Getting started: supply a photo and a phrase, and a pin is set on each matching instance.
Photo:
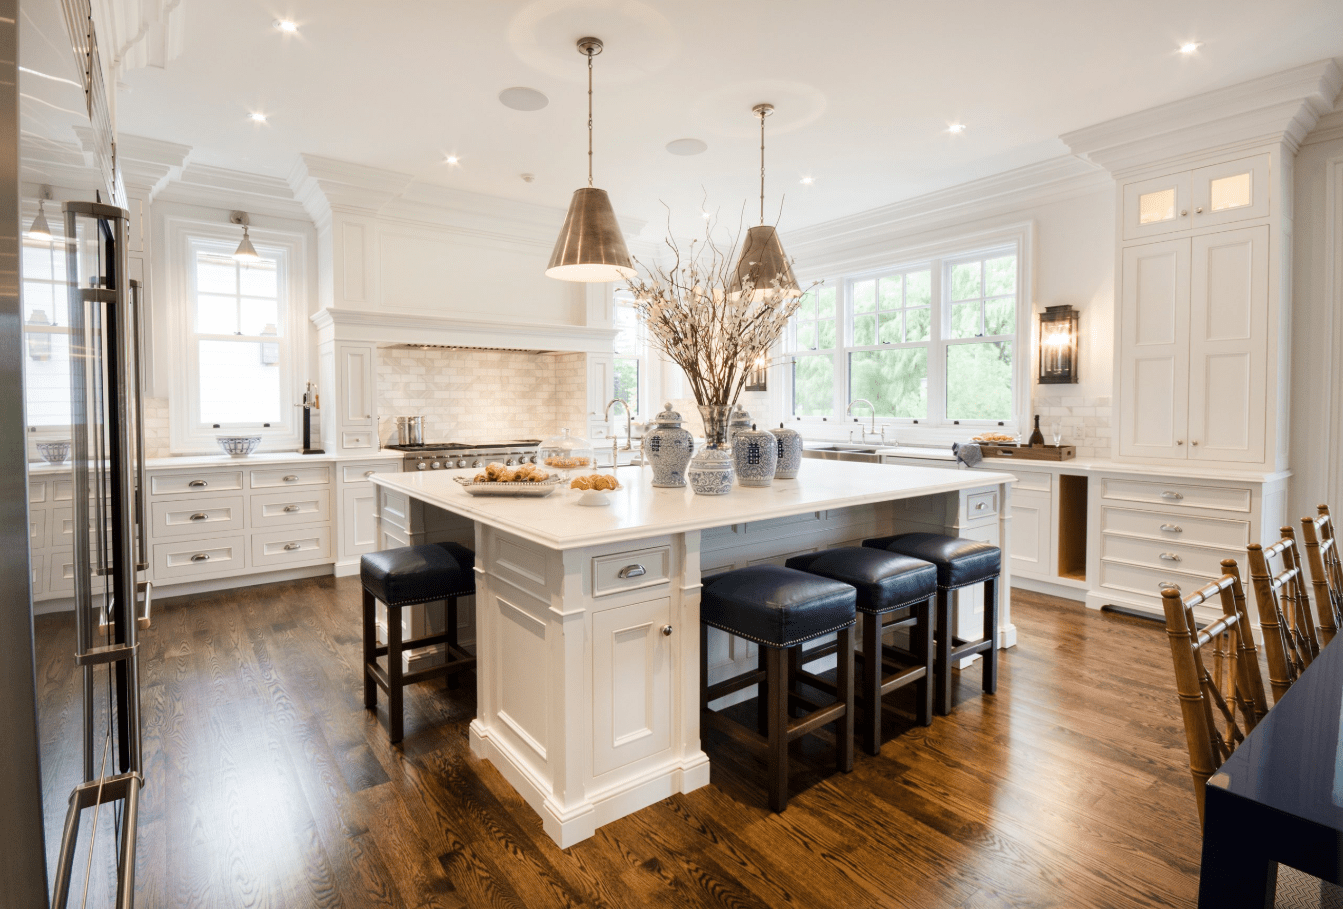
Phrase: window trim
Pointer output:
(56, 247)
(188, 434)
(643, 360)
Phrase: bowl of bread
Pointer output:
(502, 480)
(594, 488)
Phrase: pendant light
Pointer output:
(245, 253)
(590, 247)
(762, 257)
(40, 230)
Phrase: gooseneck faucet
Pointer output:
(629, 428)
(873, 408)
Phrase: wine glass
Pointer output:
(1058, 434)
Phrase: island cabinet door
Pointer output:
(631, 683)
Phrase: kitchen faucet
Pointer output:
(629, 433)
(874, 432)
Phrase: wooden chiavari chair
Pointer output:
(1231, 690)
(1326, 572)
(1290, 641)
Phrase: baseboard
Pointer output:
(164, 591)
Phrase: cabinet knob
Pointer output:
(198, 484)
(666, 630)
(1170, 557)
(1199, 210)
(199, 516)
(1193, 442)
(1179, 441)
(1184, 213)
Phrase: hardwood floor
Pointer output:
(268, 785)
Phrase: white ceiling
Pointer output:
(864, 89)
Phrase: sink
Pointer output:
(842, 453)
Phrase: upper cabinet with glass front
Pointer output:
(1203, 197)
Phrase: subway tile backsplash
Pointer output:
(1086, 423)
(481, 395)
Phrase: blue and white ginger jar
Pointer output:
(669, 448)
(710, 470)
(790, 453)
(754, 454)
(738, 422)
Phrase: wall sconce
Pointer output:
(246, 252)
(756, 380)
(40, 230)
(39, 342)
(1058, 346)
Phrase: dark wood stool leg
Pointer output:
(762, 691)
(776, 669)
(450, 654)
(942, 698)
(844, 681)
(395, 687)
(370, 645)
(871, 684)
(922, 638)
(991, 635)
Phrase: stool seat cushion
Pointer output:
(884, 580)
(959, 562)
(775, 606)
(419, 574)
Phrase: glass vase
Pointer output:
(710, 470)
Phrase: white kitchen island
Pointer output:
(587, 619)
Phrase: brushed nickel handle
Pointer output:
(369, 473)
(1168, 494)
(290, 547)
(201, 557)
(290, 509)
(632, 571)
(1199, 210)
(199, 516)
(1184, 212)
(1194, 442)
(290, 479)
(198, 484)
(1172, 528)
(1169, 557)
(1179, 441)
(666, 630)
(980, 506)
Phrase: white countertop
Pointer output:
(259, 459)
(639, 510)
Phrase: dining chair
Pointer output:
(1326, 573)
(1221, 702)
(1290, 641)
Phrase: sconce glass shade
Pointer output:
(590, 247)
(40, 230)
(246, 252)
(1058, 346)
(763, 260)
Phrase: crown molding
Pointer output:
(322, 185)
(395, 328)
(149, 163)
(51, 162)
(220, 187)
(1327, 129)
(1282, 107)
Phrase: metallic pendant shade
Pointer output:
(590, 247)
(40, 229)
(245, 253)
(763, 260)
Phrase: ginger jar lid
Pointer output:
(668, 418)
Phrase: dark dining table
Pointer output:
(1279, 797)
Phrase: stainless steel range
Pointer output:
(450, 455)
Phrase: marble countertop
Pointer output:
(639, 510)
(259, 459)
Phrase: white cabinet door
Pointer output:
(1228, 338)
(1231, 191)
(1154, 350)
(1156, 206)
(358, 520)
(1031, 538)
(631, 683)
(355, 363)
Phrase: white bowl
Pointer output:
(238, 446)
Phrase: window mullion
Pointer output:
(938, 328)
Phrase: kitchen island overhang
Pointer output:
(587, 619)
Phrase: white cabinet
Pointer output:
(357, 517)
(600, 388)
(1159, 205)
(631, 683)
(1194, 324)
(1204, 197)
(1031, 535)
(348, 375)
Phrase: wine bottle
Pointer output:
(1037, 437)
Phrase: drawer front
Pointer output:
(1033, 480)
(1160, 554)
(38, 490)
(193, 517)
(278, 548)
(1177, 495)
(394, 509)
(63, 528)
(356, 439)
(1147, 581)
(60, 571)
(197, 482)
(188, 558)
(981, 504)
(623, 571)
(37, 529)
(1169, 528)
(359, 473)
(283, 477)
(282, 509)
(37, 565)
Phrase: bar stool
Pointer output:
(779, 609)
(887, 583)
(960, 563)
(404, 577)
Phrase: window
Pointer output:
(933, 342)
(631, 360)
(46, 324)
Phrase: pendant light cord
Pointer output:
(762, 167)
(589, 55)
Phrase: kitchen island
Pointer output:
(587, 618)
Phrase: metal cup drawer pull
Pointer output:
(198, 484)
(632, 571)
(369, 473)
(291, 479)
(201, 557)
(1172, 528)
(290, 509)
(199, 516)
(290, 547)
(1168, 494)
(1170, 557)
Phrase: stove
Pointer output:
(450, 455)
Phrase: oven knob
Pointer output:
(531, 459)
(461, 462)
(435, 465)
(508, 463)
(476, 463)
(419, 465)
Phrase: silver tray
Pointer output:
(524, 488)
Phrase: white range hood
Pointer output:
(396, 329)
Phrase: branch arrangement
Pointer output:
(712, 332)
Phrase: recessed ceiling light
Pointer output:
(520, 98)
(807, 181)
(956, 128)
(527, 178)
(687, 146)
(257, 117)
(286, 25)
(1190, 46)
(452, 159)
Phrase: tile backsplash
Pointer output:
(1086, 423)
(481, 395)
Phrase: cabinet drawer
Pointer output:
(394, 509)
(280, 509)
(1168, 556)
(193, 517)
(63, 528)
(359, 473)
(274, 477)
(60, 571)
(38, 490)
(278, 548)
(39, 579)
(1148, 581)
(188, 558)
(1171, 528)
(1177, 495)
(37, 529)
(623, 571)
(357, 439)
(202, 481)
(1030, 480)
(981, 504)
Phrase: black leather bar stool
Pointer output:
(779, 609)
(404, 577)
(894, 591)
(960, 563)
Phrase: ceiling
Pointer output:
(864, 89)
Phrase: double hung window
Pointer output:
(630, 376)
(46, 327)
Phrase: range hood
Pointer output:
(416, 330)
